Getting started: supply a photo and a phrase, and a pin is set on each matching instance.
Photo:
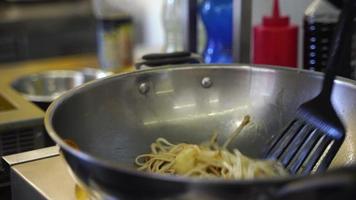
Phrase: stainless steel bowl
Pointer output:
(44, 87)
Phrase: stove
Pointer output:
(42, 174)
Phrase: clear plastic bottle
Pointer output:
(319, 23)
(172, 19)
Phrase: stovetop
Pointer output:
(42, 174)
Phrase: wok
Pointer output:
(117, 118)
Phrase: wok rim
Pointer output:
(105, 163)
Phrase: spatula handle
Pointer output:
(339, 59)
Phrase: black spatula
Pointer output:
(312, 139)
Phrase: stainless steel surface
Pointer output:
(28, 156)
(34, 180)
(49, 85)
(39, 174)
(42, 179)
(91, 74)
(242, 18)
(112, 122)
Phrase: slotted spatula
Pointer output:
(311, 140)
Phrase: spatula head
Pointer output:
(310, 141)
(321, 114)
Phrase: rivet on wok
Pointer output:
(143, 88)
(206, 82)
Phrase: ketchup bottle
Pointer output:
(275, 40)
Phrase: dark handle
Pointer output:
(339, 59)
(338, 184)
(155, 60)
(155, 56)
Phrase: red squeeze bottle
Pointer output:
(275, 40)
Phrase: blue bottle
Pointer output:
(217, 19)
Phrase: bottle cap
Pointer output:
(276, 19)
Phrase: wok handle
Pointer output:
(338, 184)
(175, 58)
(156, 56)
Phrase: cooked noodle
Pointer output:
(206, 160)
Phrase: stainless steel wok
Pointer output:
(117, 118)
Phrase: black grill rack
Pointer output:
(17, 141)
(20, 140)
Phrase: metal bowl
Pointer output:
(44, 87)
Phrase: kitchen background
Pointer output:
(153, 30)
(148, 15)
(40, 35)
(23, 25)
